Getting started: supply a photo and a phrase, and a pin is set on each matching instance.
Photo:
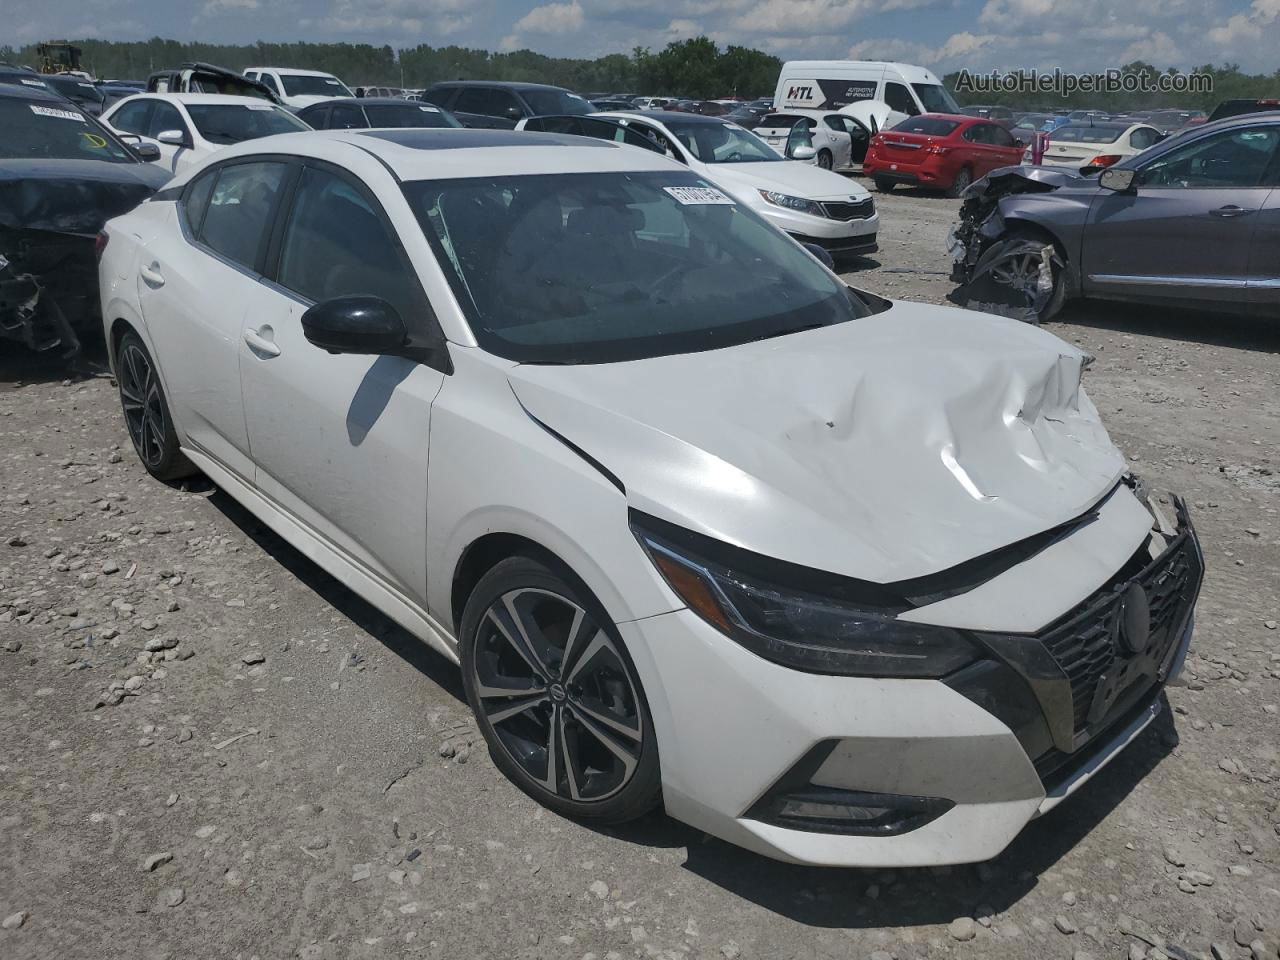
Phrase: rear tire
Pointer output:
(883, 184)
(556, 695)
(961, 183)
(146, 412)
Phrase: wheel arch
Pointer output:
(482, 555)
(1070, 266)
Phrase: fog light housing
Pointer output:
(796, 803)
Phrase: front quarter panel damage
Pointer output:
(1001, 267)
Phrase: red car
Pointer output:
(944, 150)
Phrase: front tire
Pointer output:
(824, 159)
(556, 694)
(146, 411)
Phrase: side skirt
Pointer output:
(328, 557)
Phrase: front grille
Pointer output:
(850, 211)
(1086, 646)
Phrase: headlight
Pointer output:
(801, 618)
(799, 204)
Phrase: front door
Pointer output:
(194, 296)
(340, 441)
(1188, 227)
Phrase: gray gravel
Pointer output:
(177, 683)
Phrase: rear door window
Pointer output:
(165, 117)
(346, 116)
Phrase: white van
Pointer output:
(832, 84)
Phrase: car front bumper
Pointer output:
(821, 230)
(735, 730)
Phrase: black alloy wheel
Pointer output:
(146, 414)
(556, 696)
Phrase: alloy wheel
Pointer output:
(1020, 273)
(143, 405)
(558, 695)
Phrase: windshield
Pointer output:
(928, 126)
(1087, 134)
(599, 267)
(547, 103)
(408, 115)
(936, 98)
(722, 143)
(301, 85)
(233, 123)
(55, 131)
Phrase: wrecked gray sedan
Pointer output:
(62, 176)
(1193, 221)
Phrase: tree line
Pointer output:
(693, 68)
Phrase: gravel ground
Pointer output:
(209, 748)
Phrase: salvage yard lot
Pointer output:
(291, 774)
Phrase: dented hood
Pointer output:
(884, 448)
(72, 196)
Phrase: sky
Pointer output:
(945, 35)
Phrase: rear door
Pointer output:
(1264, 261)
(1188, 228)
(194, 294)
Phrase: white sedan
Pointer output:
(1099, 144)
(842, 580)
(187, 127)
(814, 206)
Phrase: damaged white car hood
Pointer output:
(884, 448)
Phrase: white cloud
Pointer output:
(215, 7)
(1245, 26)
(401, 20)
(1158, 49)
(552, 18)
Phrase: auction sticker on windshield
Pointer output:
(51, 112)
(697, 195)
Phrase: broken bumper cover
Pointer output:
(851, 771)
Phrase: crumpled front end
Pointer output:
(999, 272)
(48, 288)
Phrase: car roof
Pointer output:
(375, 101)
(296, 71)
(505, 84)
(665, 116)
(210, 98)
(434, 153)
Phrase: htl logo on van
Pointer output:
(800, 93)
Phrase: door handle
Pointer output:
(260, 344)
(1230, 210)
(152, 276)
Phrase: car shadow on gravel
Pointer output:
(364, 615)
(1239, 331)
(868, 898)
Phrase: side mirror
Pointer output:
(176, 138)
(1120, 181)
(802, 153)
(1019, 142)
(822, 255)
(360, 324)
(147, 152)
